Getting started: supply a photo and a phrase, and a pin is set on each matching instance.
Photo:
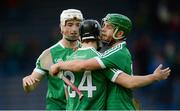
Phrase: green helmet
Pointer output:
(120, 22)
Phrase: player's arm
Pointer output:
(30, 82)
(131, 82)
(75, 66)
(43, 63)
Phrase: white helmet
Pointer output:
(70, 14)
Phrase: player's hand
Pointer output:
(29, 80)
(161, 74)
(54, 69)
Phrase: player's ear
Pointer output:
(120, 34)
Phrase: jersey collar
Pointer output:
(121, 44)
(61, 44)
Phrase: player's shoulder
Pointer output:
(57, 45)
(95, 50)
(119, 48)
(45, 53)
(48, 50)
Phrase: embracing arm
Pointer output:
(131, 82)
(75, 66)
(30, 82)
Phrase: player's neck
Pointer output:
(89, 44)
(69, 44)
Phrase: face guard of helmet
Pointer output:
(70, 14)
(89, 30)
(120, 23)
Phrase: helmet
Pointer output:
(89, 29)
(120, 22)
(70, 14)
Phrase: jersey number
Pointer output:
(87, 78)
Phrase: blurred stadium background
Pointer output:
(27, 27)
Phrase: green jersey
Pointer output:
(93, 84)
(55, 98)
(119, 57)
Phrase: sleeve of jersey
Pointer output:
(109, 60)
(39, 68)
(112, 73)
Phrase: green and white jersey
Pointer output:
(93, 84)
(55, 99)
(119, 57)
